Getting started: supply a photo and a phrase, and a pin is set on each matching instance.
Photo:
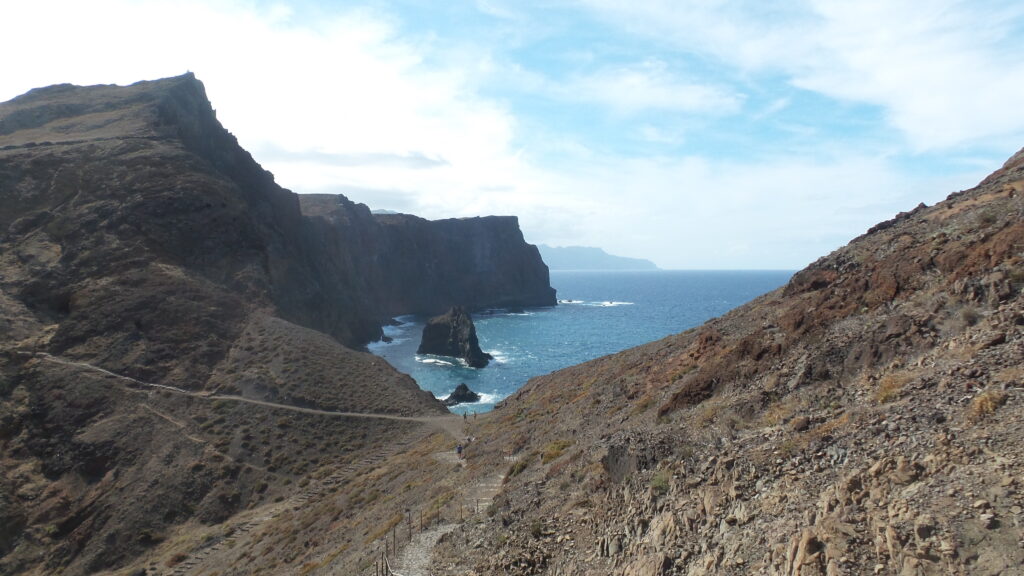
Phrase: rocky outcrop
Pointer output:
(461, 395)
(453, 334)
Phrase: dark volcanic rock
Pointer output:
(418, 266)
(461, 395)
(138, 238)
(453, 334)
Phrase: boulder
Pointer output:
(453, 334)
(461, 395)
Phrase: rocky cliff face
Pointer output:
(148, 263)
(427, 266)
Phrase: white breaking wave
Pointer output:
(499, 356)
(430, 360)
(490, 398)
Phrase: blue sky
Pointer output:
(705, 134)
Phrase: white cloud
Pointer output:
(783, 212)
(347, 103)
(649, 85)
(340, 102)
(945, 72)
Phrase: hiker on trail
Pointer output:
(458, 451)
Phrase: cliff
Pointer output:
(175, 333)
(425, 267)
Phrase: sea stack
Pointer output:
(453, 334)
(461, 395)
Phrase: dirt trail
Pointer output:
(414, 559)
(453, 425)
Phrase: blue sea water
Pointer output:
(598, 313)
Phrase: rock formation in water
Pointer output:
(147, 262)
(461, 395)
(453, 334)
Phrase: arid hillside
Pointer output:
(863, 419)
(867, 418)
(179, 342)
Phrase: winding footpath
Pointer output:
(452, 425)
(415, 557)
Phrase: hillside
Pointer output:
(180, 339)
(864, 419)
(587, 258)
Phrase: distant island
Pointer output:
(589, 258)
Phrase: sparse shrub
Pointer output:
(554, 450)
(176, 559)
(890, 387)
(537, 529)
(969, 316)
(1016, 276)
(985, 403)
(988, 217)
(642, 405)
(660, 482)
(515, 469)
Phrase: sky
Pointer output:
(699, 134)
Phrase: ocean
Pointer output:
(598, 313)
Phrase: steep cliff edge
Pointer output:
(155, 285)
(418, 266)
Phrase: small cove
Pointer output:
(598, 313)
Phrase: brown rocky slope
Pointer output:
(864, 419)
(154, 283)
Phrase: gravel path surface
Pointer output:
(415, 557)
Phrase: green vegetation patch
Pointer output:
(554, 450)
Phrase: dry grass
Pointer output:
(832, 426)
(985, 404)
(385, 528)
(890, 387)
(1011, 375)
(554, 450)
(778, 412)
